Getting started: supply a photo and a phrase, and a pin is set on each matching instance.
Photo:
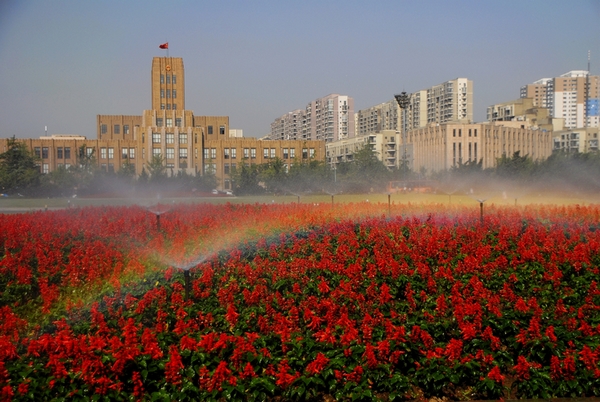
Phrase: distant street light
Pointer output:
(403, 100)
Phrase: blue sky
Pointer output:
(65, 61)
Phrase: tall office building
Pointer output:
(185, 142)
(572, 96)
(168, 83)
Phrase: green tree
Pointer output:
(157, 169)
(19, 168)
(516, 167)
(246, 179)
(274, 176)
(365, 172)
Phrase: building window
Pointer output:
(252, 153)
(168, 79)
(162, 79)
(266, 153)
(246, 153)
(226, 168)
(126, 129)
(183, 153)
(168, 106)
(222, 130)
(159, 122)
(170, 153)
(311, 153)
(103, 128)
(177, 121)
(205, 153)
(45, 169)
(168, 93)
(156, 138)
(162, 93)
(210, 129)
(174, 106)
(292, 153)
(285, 153)
(183, 137)
(117, 129)
(102, 153)
(233, 153)
(131, 153)
(169, 122)
(174, 79)
(44, 152)
(226, 153)
(111, 153)
(156, 152)
(272, 153)
(304, 153)
(59, 153)
(213, 153)
(123, 153)
(170, 138)
(174, 93)
(37, 151)
(89, 151)
(162, 106)
(67, 152)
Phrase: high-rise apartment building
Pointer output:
(377, 118)
(451, 101)
(330, 118)
(572, 96)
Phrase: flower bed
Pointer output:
(299, 302)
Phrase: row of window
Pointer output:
(168, 106)
(168, 92)
(209, 153)
(472, 132)
(169, 138)
(168, 122)
(116, 129)
(170, 153)
(61, 153)
(171, 79)
(250, 153)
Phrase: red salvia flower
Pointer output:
(174, 366)
(496, 375)
(316, 366)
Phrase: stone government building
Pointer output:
(187, 142)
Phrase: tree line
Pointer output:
(20, 175)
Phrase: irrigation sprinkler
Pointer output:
(481, 201)
(186, 273)
(158, 210)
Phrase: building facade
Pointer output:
(185, 142)
(573, 96)
(384, 144)
(440, 147)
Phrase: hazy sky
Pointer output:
(62, 62)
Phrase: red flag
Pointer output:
(164, 45)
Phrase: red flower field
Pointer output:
(299, 301)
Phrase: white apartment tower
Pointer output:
(449, 102)
(572, 96)
(330, 118)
